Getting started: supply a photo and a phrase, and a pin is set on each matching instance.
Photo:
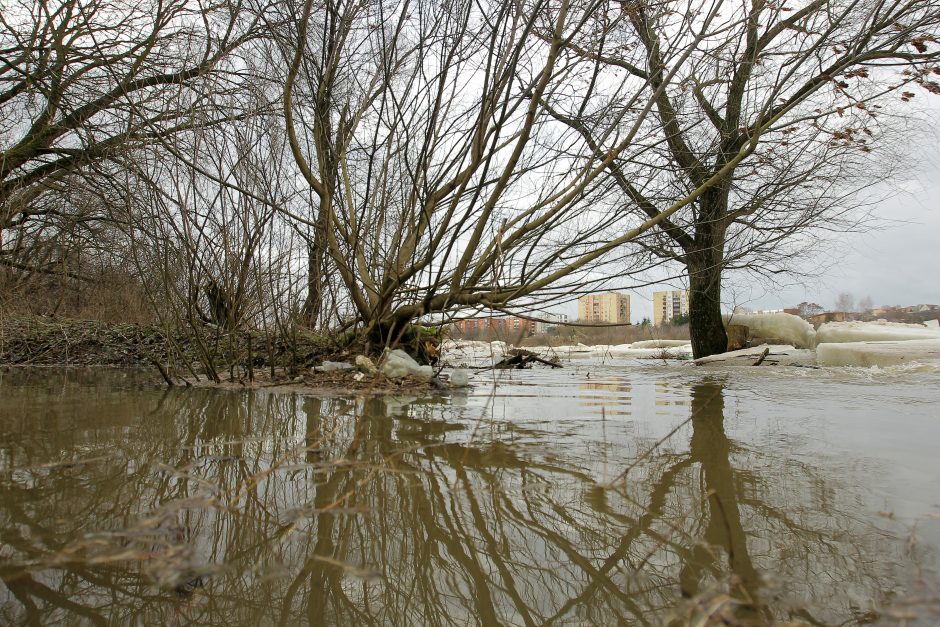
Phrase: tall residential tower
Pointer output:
(611, 307)
(668, 305)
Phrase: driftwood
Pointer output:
(762, 357)
(520, 359)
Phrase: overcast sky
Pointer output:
(898, 264)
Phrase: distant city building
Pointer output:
(669, 305)
(548, 321)
(501, 327)
(826, 316)
(612, 307)
(747, 311)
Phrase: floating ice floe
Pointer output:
(472, 352)
(660, 343)
(630, 351)
(670, 349)
(460, 377)
(880, 331)
(883, 353)
(682, 351)
(565, 350)
(777, 328)
(677, 351)
(777, 354)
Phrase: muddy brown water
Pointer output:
(601, 494)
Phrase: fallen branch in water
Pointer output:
(523, 359)
(163, 372)
(763, 356)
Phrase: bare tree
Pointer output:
(772, 120)
(82, 83)
(441, 179)
(205, 235)
(450, 155)
(810, 309)
(845, 302)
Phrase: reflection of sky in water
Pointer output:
(505, 503)
(883, 425)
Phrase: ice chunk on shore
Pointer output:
(780, 327)
(880, 331)
(568, 350)
(400, 364)
(867, 354)
(330, 366)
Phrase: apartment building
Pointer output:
(669, 304)
(501, 327)
(612, 307)
(548, 321)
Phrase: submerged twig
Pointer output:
(163, 372)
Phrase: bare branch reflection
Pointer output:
(131, 504)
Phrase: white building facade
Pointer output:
(668, 305)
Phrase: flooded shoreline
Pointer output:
(608, 491)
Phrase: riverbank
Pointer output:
(238, 359)
(47, 341)
(51, 341)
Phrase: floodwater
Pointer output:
(600, 494)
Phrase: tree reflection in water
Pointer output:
(208, 507)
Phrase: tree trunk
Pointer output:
(705, 325)
(316, 274)
(314, 299)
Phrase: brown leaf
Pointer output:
(931, 86)
(858, 73)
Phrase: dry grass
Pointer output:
(110, 296)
